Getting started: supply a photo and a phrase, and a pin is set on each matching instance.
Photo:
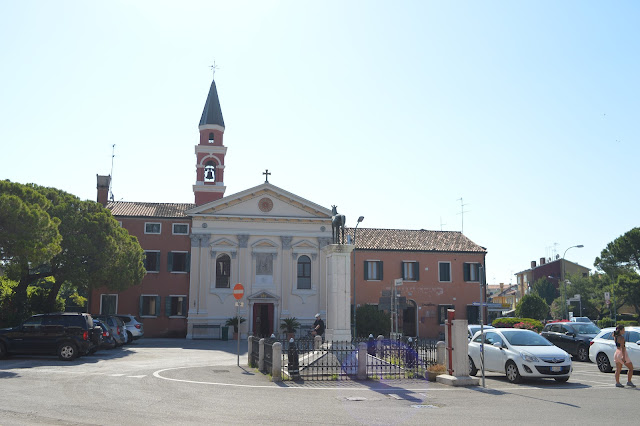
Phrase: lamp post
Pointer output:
(360, 219)
(564, 282)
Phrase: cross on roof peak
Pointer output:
(266, 176)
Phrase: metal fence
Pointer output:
(385, 359)
(254, 350)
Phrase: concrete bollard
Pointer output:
(249, 346)
(441, 353)
(276, 362)
(362, 361)
(261, 354)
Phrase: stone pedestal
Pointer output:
(460, 357)
(338, 292)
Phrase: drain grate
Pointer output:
(219, 371)
(425, 406)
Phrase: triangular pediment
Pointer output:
(305, 244)
(263, 295)
(264, 244)
(263, 201)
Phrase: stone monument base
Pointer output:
(446, 379)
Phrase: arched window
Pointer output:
(210, 172)
(223, 271)
(304, 272)
(211, 139)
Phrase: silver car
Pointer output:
(116, 326)
(135, 329)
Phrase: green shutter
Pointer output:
(380, 265)
(402, 271)
(158, 306)
(140, 312)
(366, 271)
(158, 257)
(466, 269)
(185, 306)
(169, 261)
(416, 271)
(187, 267)
(167, 306)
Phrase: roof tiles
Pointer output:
(414, 240)
(127, 208)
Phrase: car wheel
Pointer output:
(472, 368)
(129, 337)
(561, 379)
(513, 375)
(67, 351)
(582, 354)
(3, 350)
(603, 363)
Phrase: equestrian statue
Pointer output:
(337, 224)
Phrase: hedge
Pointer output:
(609, 322)
(526, 323)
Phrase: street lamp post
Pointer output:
(360, 219)
(564, 282)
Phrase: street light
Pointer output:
(360, 219)
(564, 282)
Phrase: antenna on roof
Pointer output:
(462, 212)
(441, 223)
(113, 154)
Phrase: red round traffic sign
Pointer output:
(238, 291)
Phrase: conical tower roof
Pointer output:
(212, 114)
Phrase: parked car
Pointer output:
(573, 337)
(472, 329)
(116, 327)
(67, 334)
(520, 354)
(108, 342)
(135, 329)
(603, 347)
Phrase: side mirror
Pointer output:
(498, 344)
(638, 343)
(571, 333)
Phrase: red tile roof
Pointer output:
(414, 240)
(133, 209)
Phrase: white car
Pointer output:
(472, 329)
(603, 347)
(519, 354)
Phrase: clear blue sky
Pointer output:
(391, 110)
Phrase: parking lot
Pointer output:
(156, 381)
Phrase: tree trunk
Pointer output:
(53, 295)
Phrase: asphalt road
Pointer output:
(166, 381)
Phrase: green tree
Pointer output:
(623, 253)
(370, 320)
(532, 306)
(545, 289)
(96, 250)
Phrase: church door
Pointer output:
(262, 319)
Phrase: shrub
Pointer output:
(606, 322)
(437, 368)
(628, 323)
(526, 323)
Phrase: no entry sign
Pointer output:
(238, 291)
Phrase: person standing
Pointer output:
(318, 326)
(621, 358)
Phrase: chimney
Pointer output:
(103, 189)
(542, 261)
(501, 287)
(533, 264)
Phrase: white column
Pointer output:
(338, 292)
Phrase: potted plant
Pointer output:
(234, 321)
(289, 326)
(435, 370)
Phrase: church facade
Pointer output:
(271, 241)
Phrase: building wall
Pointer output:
(427, 292)
(162, 283)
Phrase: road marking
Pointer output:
(138, 377)
(115, 375)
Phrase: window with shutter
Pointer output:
(444, 271)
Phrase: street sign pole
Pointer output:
(238, 293)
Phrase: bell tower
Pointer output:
(210, 152)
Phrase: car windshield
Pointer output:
(525, 338)
(585, 328)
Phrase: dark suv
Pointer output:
(573, 337)
(68, 335)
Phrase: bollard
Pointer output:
(293, 357)
(276, 369)
(362, 361)
(441, 351)
(380, 346)
(261, 354)
(249, 351)
(371, 346)
(317, 343)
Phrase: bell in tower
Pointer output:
(210, 172)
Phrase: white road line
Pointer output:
(115, 375)
(138, 377)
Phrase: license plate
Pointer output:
(556, 369)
